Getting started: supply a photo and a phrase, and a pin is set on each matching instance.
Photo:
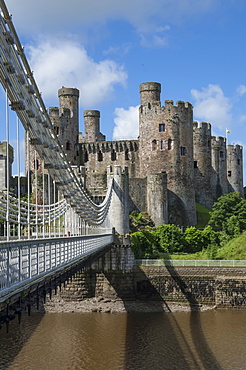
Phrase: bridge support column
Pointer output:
(119, 212)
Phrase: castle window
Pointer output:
(162, 144)
(86, 157)
(154, 143)
(221, 154)
(57, 130)
(113, 155)
(36, 164)
(229, 173)
(162, 127)
(195, 164)
(238, 161)
(127, 155)
(149, 105)
(68, 146)
(169, 144)
(182, 150)
(209, 143)
(99, 156)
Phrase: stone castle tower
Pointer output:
(65, 120)
(166, 145)
(174, 163)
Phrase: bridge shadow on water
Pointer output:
(17, 336)
(155, 339)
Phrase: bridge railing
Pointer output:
(23, 262)
(196, 263)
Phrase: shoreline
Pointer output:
(104, 305)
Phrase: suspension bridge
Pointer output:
(45, 242)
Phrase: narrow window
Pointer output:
(127, 155)
(209, 143)
(162, 144)
(154, 144)
(68, 146)
(195, 164)
(221, 154)
(57, 130)
(86, 157)
(169, 144)
(149, 105)
(36, 164)
(182, 150)
(162, 127)
(113, 155)
(99, 156)
(229, 173)
(238, 161)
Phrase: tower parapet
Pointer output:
(92, 126)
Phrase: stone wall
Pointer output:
(115, 276)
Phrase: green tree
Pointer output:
(145, 244)
(171, 238)
(229, 214)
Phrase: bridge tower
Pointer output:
(118, 211)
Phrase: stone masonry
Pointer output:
(173, 164)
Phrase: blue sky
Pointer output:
(195, 49)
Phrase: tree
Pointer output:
(229, 214)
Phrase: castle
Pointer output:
(173, 164)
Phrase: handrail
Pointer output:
(195, 263)
(23, 262)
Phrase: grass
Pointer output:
(235, 249)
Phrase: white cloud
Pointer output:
(211, 105)
(126, 123)
(59, 16)
(241, 90)
(59, 63)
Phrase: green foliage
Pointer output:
(140, 221)
(171, 238)
(145, 244)
(229, 214)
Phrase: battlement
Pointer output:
(68, 91)
(92, 113)
(202, 126)
(108, 146)
(221, 141)
(54, 111)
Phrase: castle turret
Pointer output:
(203, 163)
(92, 126)
(219, 164)
(235, 168)
(166, 145)
(150, 93)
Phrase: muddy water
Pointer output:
(132, 341)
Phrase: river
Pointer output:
(213, 339)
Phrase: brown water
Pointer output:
(152, 341)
